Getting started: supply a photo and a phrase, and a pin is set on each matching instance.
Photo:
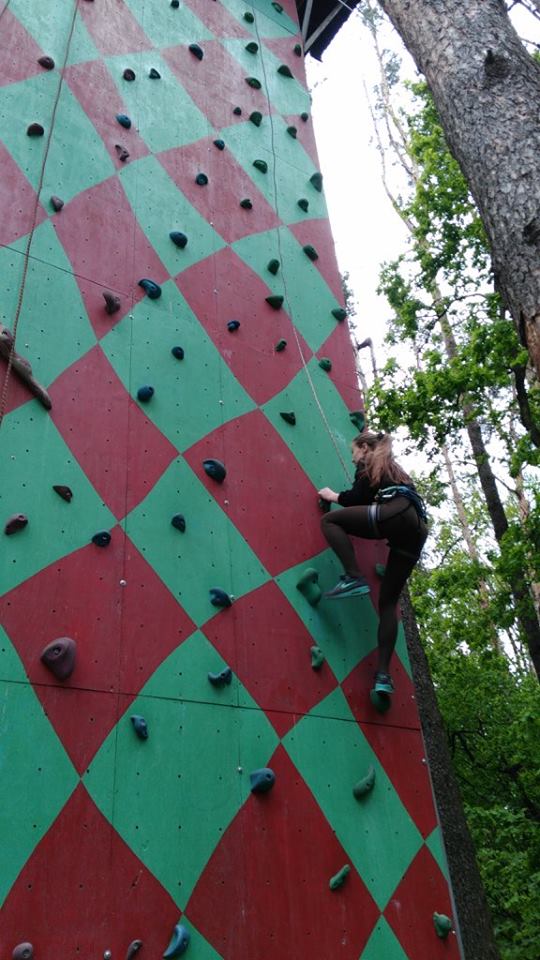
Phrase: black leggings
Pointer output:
(397, 522)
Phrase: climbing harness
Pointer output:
(402, 490)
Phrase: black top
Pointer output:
(361, 492)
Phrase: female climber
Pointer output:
(382, 505)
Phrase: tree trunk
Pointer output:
(486, 89)
(472, 909)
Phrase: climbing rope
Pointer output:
(28, 246)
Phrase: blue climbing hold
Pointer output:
(178, 238)
(262, 780)
(219, 598)
(144, 394)
(123, 120)
(220, 144)
(179, 521)
(215, 469)
(140, 726)
(201, 179)
(196, 50)
(102, 539)
(180, 938)
(178, 352)
(152, 290)
(233, 325)
(224, 677)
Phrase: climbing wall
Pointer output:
(176, 143)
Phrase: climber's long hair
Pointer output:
(378, 461)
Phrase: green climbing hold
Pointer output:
(252, 47)
(248, 17)
(175, 4)
(253, 82)
(339, 878)
(316, 181)
(219, 598)
(35, 130)
(280, 346)
(317, 658)
(380, 569)
(261, 165)
(154, 74)
(256, 118)
(292, 131)
(325, 364)
(246, 204)
(220, 144)
(178, 238)
(298, 49)
(201, 179)
(303, 204)
(443, 925)
(196, 50)
(339, 313)
(289, 418)
(365, 785)
(310, 252)
(308, 585)
(237, 111)
(358, 418)
(277, 6)
(285, 71)
(304, 116)
(273, 266)
(275, 301)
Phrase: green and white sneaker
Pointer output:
(347, 587)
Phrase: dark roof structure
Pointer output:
(320, 20)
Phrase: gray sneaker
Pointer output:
(348, 587)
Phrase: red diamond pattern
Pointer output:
(19, 201)
(21, 52)
(113, 27)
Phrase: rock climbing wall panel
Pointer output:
(189, 758)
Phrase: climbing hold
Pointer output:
(277, 7)
(339, 878)
(253, 82)
(179, 942)
(303, 204)
(140, 726)
(123, 120)
(56, 203)
(251, 47)
(310, 252)
(261, 165)
(339, 313)
(46, 62)
(215, 469)
(201, 179)
(325, 364)
(175, 4)
(443, 925)
(35, 130)
(178, 238)
(196, 50)
(262, 780)
(152, 290)
(128, 74)
(248, 17)
(292, 131)
(179, 521)
(256, 118)
(102, 538)
(275, 301)
(246, 204)
(123, 154)
(304, 116)
(221, 678)
(220, 144)
(145, 393)
(65, 492)
(280, 345)
(316, 181)
(233, 325)
(273, 266)
(154, 74)
(380, 569)
(178, 352)
(365, 785)
(112, 302)
(133, 949)
(285, 71)
(59, 657)
(308, 585)
(237, 111)
(218, 597)
(357, 417)
(298, 49)
(24, 951)
(317, 657)
(15, 523)
(289, 418)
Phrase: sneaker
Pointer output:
(383, 683)
(347, 587)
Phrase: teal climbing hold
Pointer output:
(380, 569)
(262, 780)
(123, 120)
(292, 131)
(310, 252)
(289, 418)
(277, 6)
(220, 144)
(178, 238)
(35, 130)
(365, 785)
(339, 878)
(261, 165)
(316, 181)
(304, 116)
(140, 726)
(215, 469)
(317, 657)
(308, 585)
(154, 74)
(179, 522)
(129, 74)
(285, 71)
(275, 301)
(219, 598)
(280, 345)
(179, 940)
(246, 203)
(339, 313)
(253, 82)
(145, 393)
(201, 179)
(325, 364)
(152, 290)
(273, 266)
(233, 325)
(443, 925)
(237, 111)
(178, 352)
(221, 679)
(298, 49)
(303, 204)
(196, 50)
(175, 4)
(248, 17)
(256, 118)
(102, 538)
(252, 47)
(358, 418)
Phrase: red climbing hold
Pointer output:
(112, 302)
(15, 523)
